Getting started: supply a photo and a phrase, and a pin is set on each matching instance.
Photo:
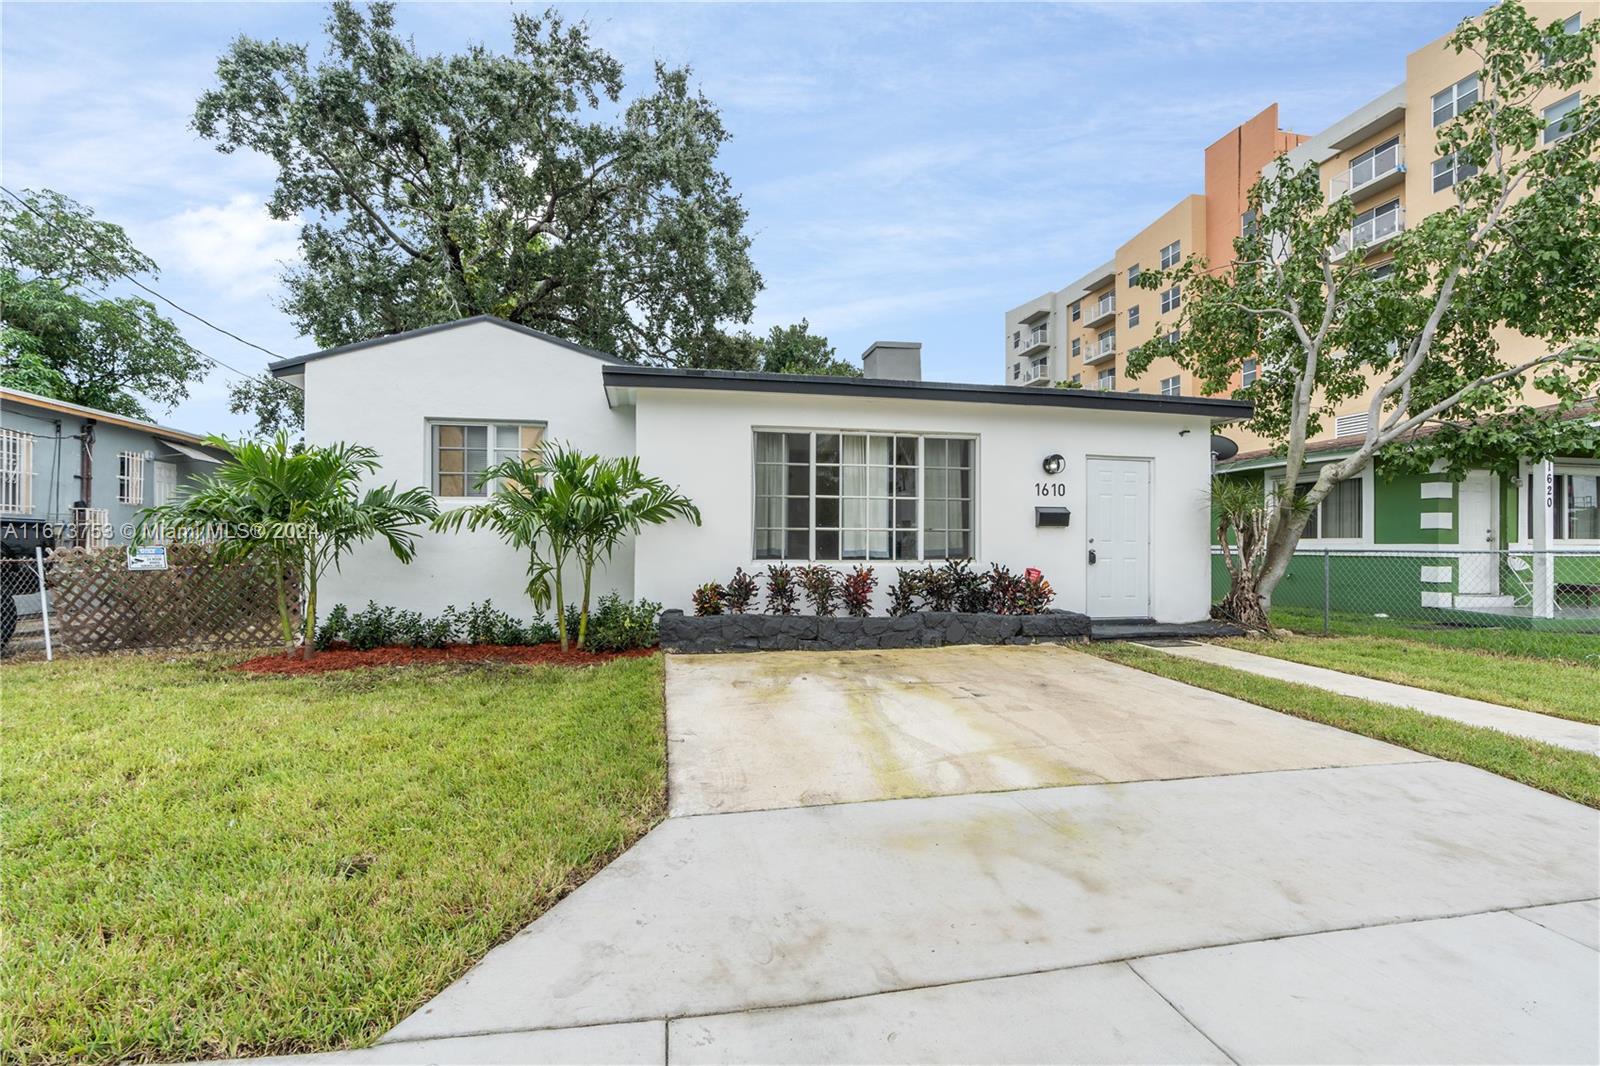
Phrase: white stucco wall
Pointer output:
(384, 397)
(702, 442)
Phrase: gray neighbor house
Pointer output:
(75, 476)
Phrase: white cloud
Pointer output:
(235, 246)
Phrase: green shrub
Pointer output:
(781, 591)
(821, 585)
(741, 591)
(904, 592)
(618, 625)
(708, 599)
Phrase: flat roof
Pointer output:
(626, 376)
(283, 366)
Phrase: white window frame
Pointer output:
(130, 478)
(493, 453)
(921, 499)
(1077, 346)
(1171, 298)
(1077, 310)
(1172, 386)
(1171, 254)
(1133, 316)
(16, 472)
(1370, 156)
(1174, 336)
(1107, 381)
(1133, 274)
(1447, 103)
(1249, 371)
(1565, 470)
(1551, 133)
(1309, 475)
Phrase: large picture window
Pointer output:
(835, 496)
(1577, 506)
(461, 451)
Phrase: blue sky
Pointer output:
(910, 170)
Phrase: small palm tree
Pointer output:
(565, 507)
(303, 510)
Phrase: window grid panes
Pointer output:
(1170, 299)
(1108, 380)
(1171, 254)
(1448, 171)
(462, 451)
(130, 477)
(1577, 507)
(1454, 100)
(1555, 124)
(1338, 517)
(1133, 316)
(848, 497)
(1169, 386)
(1247, 372)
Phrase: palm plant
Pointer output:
(302, 510)
(563, 508)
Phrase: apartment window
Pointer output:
(1107, 381)
(1247, 372)
(16, 472)
(462, 451)
(1040, 334)
(1107, 343)
(1041, 367)
(1174, 337)
(1555, 125)
(1133, 316)
(1016, 339)
(1170, 386)
(1170, 299)
(1171, 254)
(130, 477)
(1133, 274)
(1577, 507)
(1247, 223)
(836, 496)
(1382, 271)
(1077, 310)
(1016, 371)
(1076, 345)
(1454, 100)
(1569, 27)
(1338, 516)
(1077, 379)
(1449, 171)
(1374, 224)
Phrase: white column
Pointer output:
(1542, 508)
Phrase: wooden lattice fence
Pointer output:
(98, 605)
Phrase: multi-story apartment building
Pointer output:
(1383, 157)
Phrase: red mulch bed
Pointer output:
(346, 658)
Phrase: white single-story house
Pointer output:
(1108, 493)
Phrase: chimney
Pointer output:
(895, 360)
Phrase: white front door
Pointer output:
(166, 481)
(1119, 538)
(1479, 574)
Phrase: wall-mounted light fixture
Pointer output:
(1054, 464)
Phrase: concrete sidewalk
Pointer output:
(1579, 736)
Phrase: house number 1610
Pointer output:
(1050, 488)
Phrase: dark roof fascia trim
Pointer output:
(643, 377)
(283, 366)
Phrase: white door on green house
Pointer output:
(166, 481)
(1119, 538)
(1479, 574)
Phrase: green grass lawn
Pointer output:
(1550, 686)
(199, 863)
(1525, 643)
(1567, 773)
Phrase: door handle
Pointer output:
(1091, 556)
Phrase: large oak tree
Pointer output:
(520, 185)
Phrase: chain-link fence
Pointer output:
(1539, 603)
(98, 601)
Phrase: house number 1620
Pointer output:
(1050, 488)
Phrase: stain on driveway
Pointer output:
(793, 729)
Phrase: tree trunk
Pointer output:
(561, 611)
(285, 623)
(583, 612)
(1280, 553)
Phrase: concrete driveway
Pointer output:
(1101, 866)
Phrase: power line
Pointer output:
(118, 270)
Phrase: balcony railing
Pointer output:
(1371, 232)
(1376, 171)
(1034, 340)
(1102, 310)
(1035, 372)
(1104, 348)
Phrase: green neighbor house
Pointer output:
(1489, 549)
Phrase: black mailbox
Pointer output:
(1052, 516)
